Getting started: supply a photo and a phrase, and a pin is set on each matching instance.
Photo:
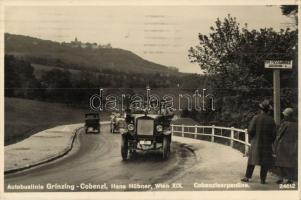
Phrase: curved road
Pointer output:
(95, 164)
(95, 159)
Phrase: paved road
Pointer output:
(96, 159)
(95, 164)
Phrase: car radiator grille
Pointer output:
(145, 127)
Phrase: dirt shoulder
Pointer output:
(39, 148)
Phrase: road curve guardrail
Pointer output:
(233, 135)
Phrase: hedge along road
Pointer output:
(95, 164)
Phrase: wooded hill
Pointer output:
(46, 52)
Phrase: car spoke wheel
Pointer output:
(166, 148)
(124, 147)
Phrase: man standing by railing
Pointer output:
(262, 133)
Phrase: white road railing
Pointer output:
(229, 133)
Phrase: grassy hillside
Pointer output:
(26, 117)
(53, 53)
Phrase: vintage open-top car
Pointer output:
(92, 123)
(146, 131)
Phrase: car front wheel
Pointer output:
(166, 148)
(124, 147)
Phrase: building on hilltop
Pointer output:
(76, 44)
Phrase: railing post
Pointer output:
(232, 137)
(212, 133)
(172, 129)
(182, 131)
(195, 131)
(246, 142)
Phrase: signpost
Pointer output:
(276, 65)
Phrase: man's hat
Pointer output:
(288, 112)
(265, 105)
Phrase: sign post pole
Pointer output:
(276, 65)
(276, 94)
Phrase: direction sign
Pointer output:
(278, 64)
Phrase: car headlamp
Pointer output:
(131, 127)
(159, 128)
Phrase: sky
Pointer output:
(161, 34)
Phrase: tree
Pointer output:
(11, 75)
(19, 78)
(57, 85)
(213, 52)
(290, 11)
(233, 60)
(235, 56)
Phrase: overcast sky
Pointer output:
(159, 34)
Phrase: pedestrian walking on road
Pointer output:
(286, 146)
(262, 133)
